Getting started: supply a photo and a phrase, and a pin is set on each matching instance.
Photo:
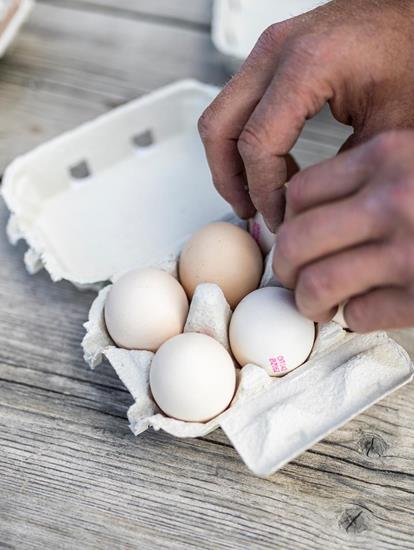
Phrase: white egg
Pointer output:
(261, 233)
(144, 308)
(192, 377)
(267, 330)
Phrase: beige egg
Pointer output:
(192, 377)
(144, 308)
(224, 254)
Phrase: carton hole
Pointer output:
(80, 170)
(143, 139)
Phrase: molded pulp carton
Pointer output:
(126, 191)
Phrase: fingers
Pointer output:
(328, 181)
(333, 280)
(223, 121)
(322, 231)
(229, 177)
(380, 309)
(292, 167)
(272, 131)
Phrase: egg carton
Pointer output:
(237, 24)
(13, 13)
(126, 191)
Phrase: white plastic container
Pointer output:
(14, 23)
(237, 24)
(125, 191)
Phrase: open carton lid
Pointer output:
(125, 191)
(120, 192)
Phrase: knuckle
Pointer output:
(268, 40)
(401, 256)
(285, 245)
(315, 285)
(250, 143)
(400, 195)
(306, 50)
(295, 193)
(210, 125)
(205, 124)
(385, 144)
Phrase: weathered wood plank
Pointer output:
(85, 479)
(71, 473)
(194, 12)
(69, 66)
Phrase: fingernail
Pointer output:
(244, 211)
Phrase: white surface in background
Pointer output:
(139, 202)
(237, 24)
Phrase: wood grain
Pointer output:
(197, 13)
(68, 66)
(71, 473)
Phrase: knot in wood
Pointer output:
(353, 520)
(372, 445)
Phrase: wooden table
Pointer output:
(72, 476)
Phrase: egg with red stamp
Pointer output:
(267, 330)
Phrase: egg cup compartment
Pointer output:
(126, 191)
(209, 314)
(270, 420)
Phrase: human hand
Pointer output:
(349, 236)
(354, 54)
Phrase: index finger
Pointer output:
(297, 92)
(223, 121)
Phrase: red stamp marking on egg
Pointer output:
(278, 364)
(256, 231)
